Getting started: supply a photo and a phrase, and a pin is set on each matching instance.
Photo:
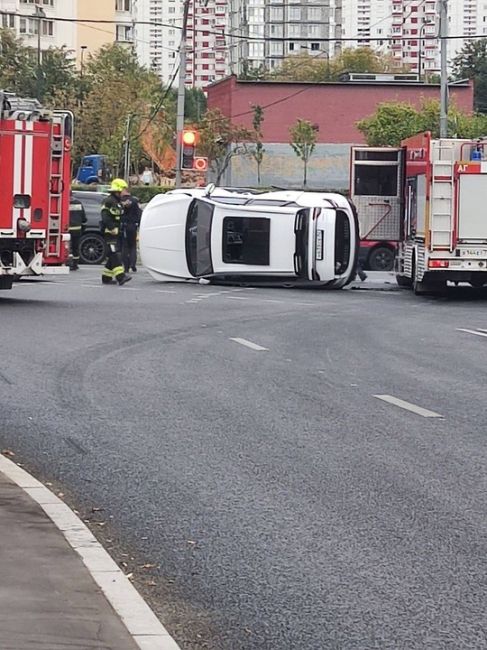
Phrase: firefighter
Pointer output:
(130, 225)
(111, 218)
(77, 220)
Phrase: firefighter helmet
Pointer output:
(118, 184)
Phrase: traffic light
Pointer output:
(188, 149)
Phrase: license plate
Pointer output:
(319, 245)
(473, 252)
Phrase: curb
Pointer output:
(140, 621)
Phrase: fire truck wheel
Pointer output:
(381, 259)
(92, 248)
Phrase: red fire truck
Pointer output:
(35, 174)
(439, 222)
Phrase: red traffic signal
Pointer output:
(200, 164)
(188, 149)
(189, 138)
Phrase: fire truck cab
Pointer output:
(440, 202)
(35, 156)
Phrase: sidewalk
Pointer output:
(48, 599)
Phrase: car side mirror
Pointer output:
(209, 189)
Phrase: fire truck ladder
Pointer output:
(56, 188)
(442, 196)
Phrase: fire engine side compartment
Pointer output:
(472, 211)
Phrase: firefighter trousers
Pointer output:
(75, 242)
(113, 267)
(129, 251)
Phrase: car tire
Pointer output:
(381, 259)
(92, 248)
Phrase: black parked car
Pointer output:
(92, 246)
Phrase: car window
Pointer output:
(246, 240)
(198, 238)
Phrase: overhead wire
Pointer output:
(331, 39)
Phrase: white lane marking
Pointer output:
(419, 410)
(477, 333)
(142, 624)
(237, 298)
(165, 291)
(249, 344)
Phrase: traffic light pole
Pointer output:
(181, 93)
(444, 68)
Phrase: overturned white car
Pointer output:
(284, 236)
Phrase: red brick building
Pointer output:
(334, 107)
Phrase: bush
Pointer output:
(147, 192)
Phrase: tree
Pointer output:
(303, 141)
(471, 63)
(251, 73)
(220, 141)
(393, 122)
(17, 65)
(318, 67)
(303, 67)
(257, 152)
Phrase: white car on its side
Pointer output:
(283, 236)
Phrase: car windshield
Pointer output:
(198, 237)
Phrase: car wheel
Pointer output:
(381, 259)
(92, 249)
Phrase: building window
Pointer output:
(123, 5)
(294, 13)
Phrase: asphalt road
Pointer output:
(285, 506)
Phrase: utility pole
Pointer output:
(126, 154)
(444, 68)
(39, 15)
(181, 92)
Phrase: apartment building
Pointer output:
(207, 56)
(412, 26)
(262, 33)
(158, 35)
(81, 38)
(26, 17)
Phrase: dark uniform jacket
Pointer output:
(77, 215)
(111, 213)
(131, 215)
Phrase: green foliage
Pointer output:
(316, 68)
(303, 141)
(195, 104)
(147, 192)
(393, 122)
(471, 63)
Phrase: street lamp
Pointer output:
(39, 15)
(420, 52)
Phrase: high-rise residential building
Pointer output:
(79, 37)
(25, 17)
(207, 54)
(158, 38)
(158, 35)
(262, 33)
(410, 28)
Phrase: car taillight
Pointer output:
(438, 264)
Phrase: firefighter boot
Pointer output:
(74, 265)
(123, 278)
(106, 280)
